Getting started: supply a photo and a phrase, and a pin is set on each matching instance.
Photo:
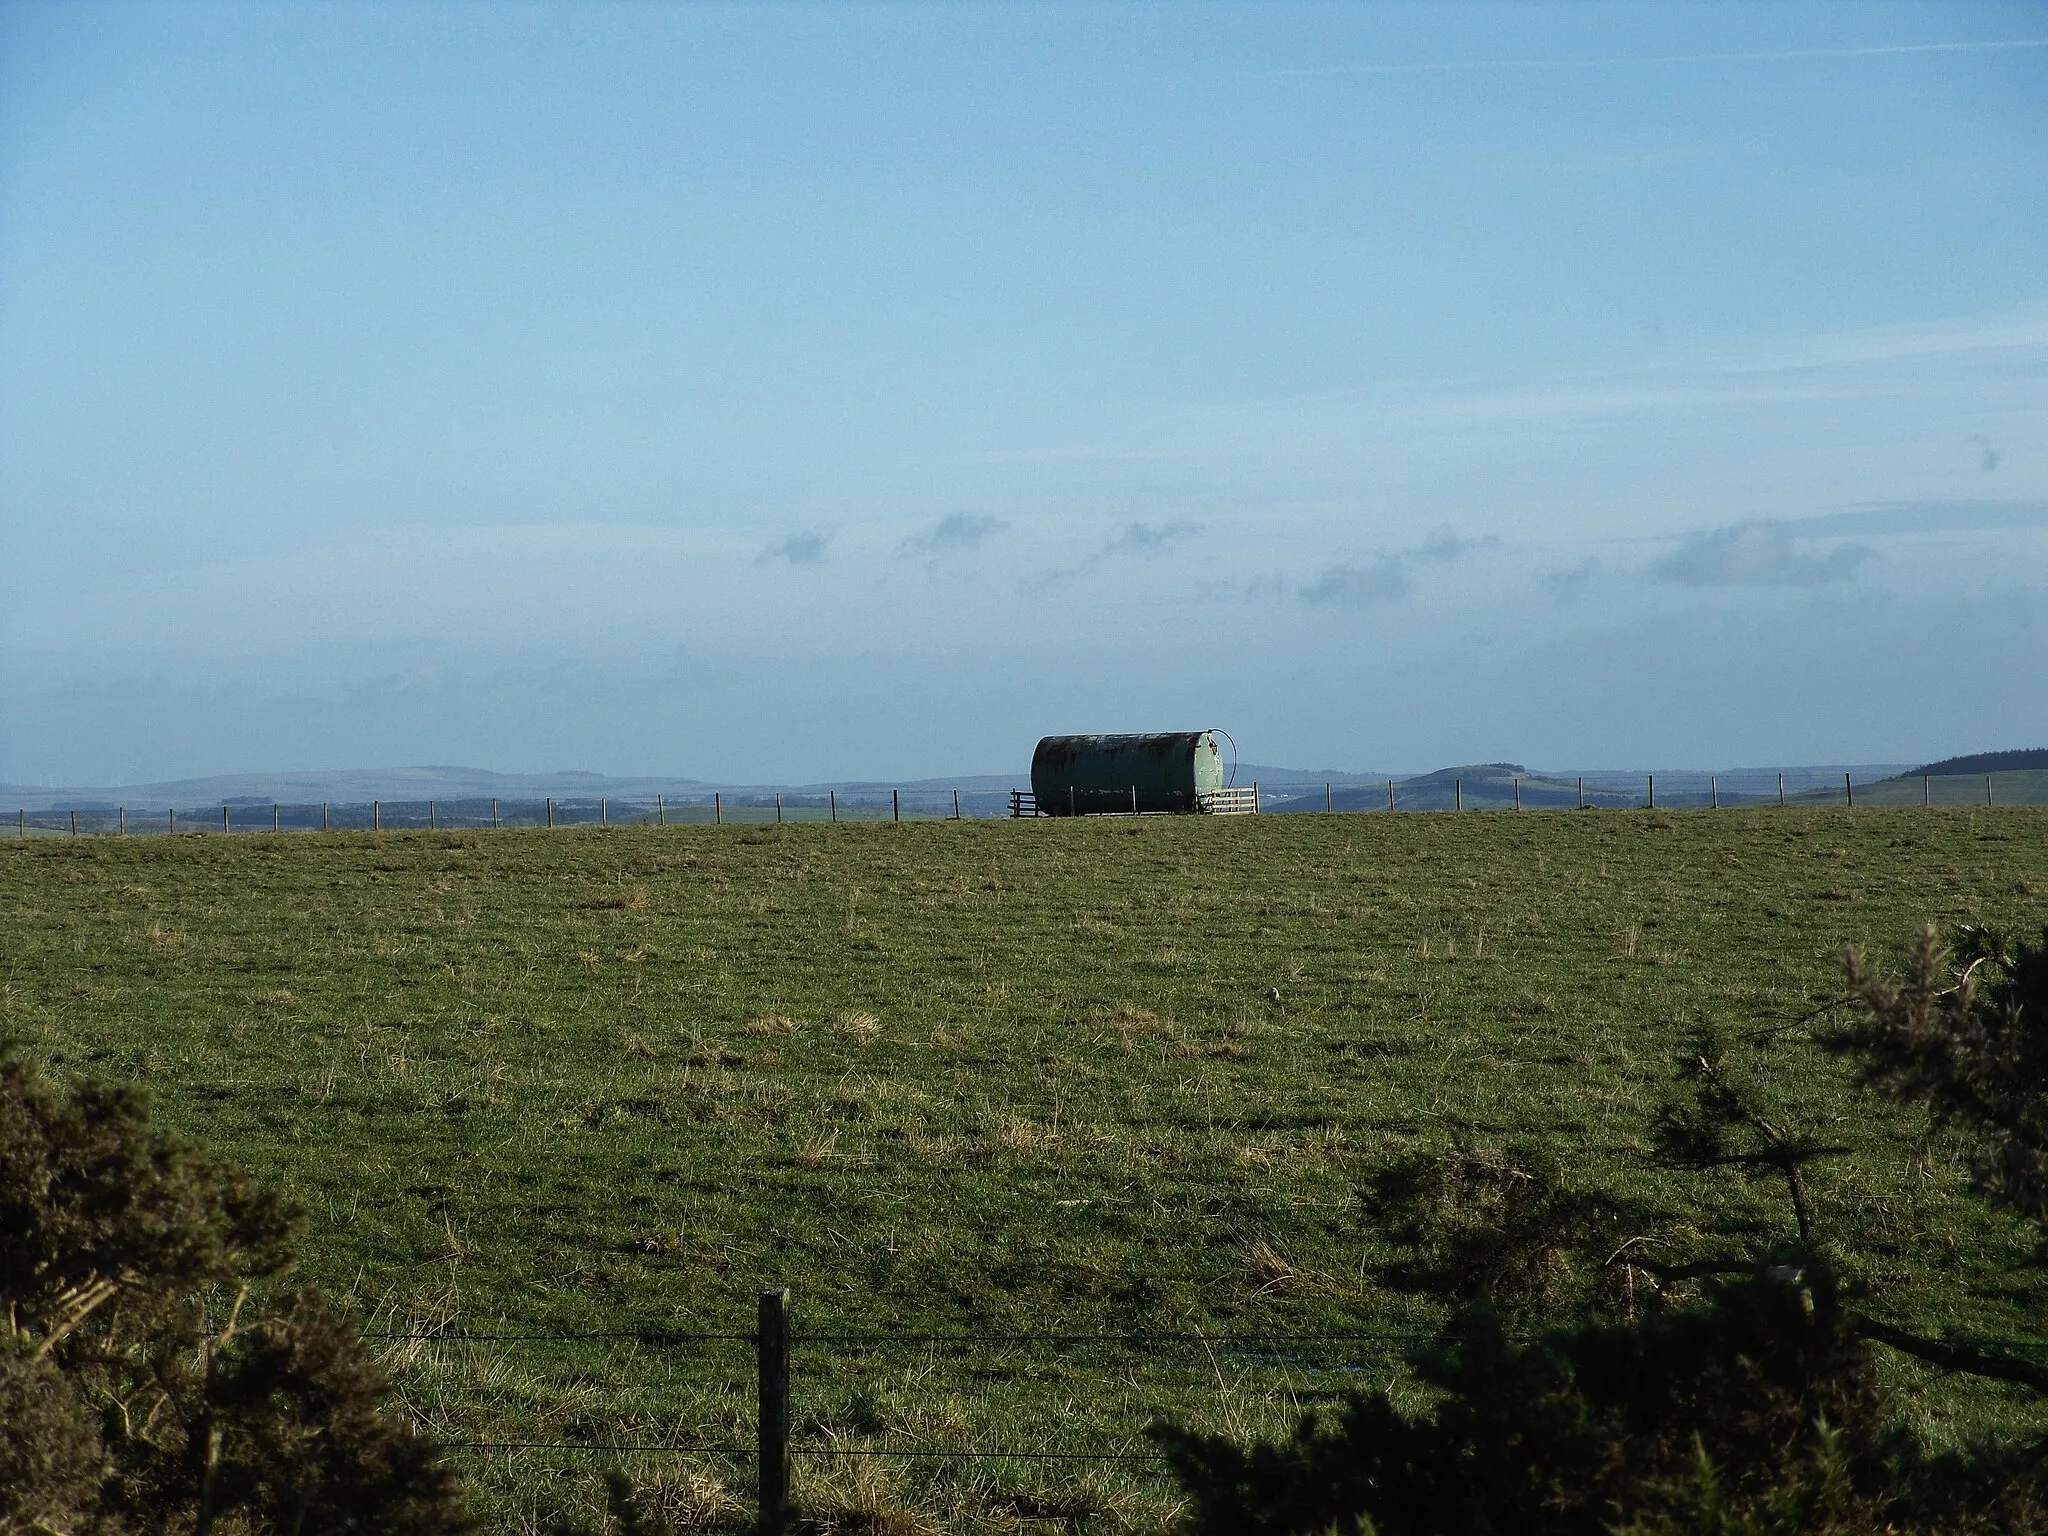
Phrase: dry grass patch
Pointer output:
(680, 1498)
(1020, 1135)
(861, 1028)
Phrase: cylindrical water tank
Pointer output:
(1095, 775)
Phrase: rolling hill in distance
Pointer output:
(2020, 777)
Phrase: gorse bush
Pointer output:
(1965, 1032)
(144, 1386)
(1570, 1433)
(1735, 1393)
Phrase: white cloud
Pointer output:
(1756, 555)
(1385, 579)
(1150, 538)
(958, 533)
(806, 548)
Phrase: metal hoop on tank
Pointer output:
(1231, 777)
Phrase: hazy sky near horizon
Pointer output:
(779, 392)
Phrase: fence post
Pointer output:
(121, 827)
(1134, 799)
(551, 810)
(1923, 789)
(1713, 793)
(74, 823)
(778, 807)
(1518, 794)
(1390, 794)
(895, 805)
(660, 811)
(1255, 797)
(956, 805)
(1781, 791)
(1457, 794)
(323, 815)
(1582, 791)
(433, 816)
(1071, 810)
(1653, 791)
(494, 815)
(173, 813)
(225, 824)
(1848, 791)
(717, 808)
(603, 810)
(21, 823)
(1987, 789)
(376, 816)
(771, 1419)
(834, 795)
(1327, 806)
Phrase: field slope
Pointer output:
(999, 1078)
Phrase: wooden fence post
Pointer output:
(494, 815)
(1713, 793)
(433, 816)
(1653, 791)
(1518, 794)
(1848, 792)
(225, 824)
(173, 813)
(74, 823)
(956, 805)
(834, 795)
(1327, 806)
(603, 810)
(717, 808)
(771, 1420)
(274, 817)
(1457, 794)
(895, 805)
(1987, 789)
(1781, 791)
(660, 811)
(323, 815)
(551, 810)
(1390, 794)
(121, 829)
(778, 807)
(376, 815)
(1923, 789)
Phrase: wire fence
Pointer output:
(786, 1357)
(247, 815)
(1434, 792)
(1515, 791)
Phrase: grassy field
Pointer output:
(979, 1078)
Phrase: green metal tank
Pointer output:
(1095, 775)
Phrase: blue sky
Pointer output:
(787, 392)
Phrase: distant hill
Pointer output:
(1470, 786)
(1983, 762)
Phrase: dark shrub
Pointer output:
(125, 1405)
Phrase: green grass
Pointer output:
(990, 1077)
(2014, 786)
